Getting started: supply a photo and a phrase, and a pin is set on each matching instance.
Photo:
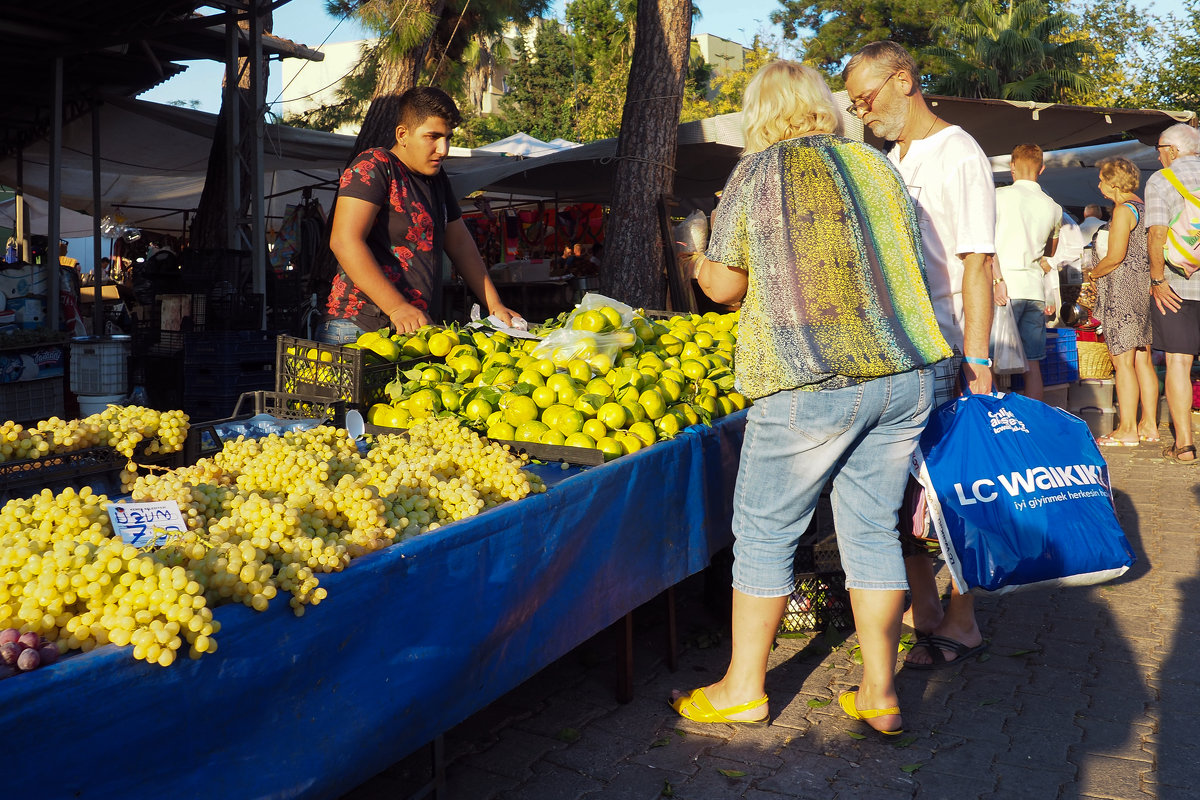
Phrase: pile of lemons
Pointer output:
(616, 387)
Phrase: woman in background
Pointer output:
(1122, 280)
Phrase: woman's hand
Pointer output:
(505, 315)
(1000, 293)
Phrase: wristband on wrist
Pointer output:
(983, 362)
(1157, 283)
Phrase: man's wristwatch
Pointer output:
(1158, 282)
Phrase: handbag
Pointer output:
(1008, 354)
(1019, 496)
(1182, 249)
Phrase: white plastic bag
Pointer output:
(1008, 354)
(692, 234)
(1050, 289)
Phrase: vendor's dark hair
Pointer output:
(422, 102)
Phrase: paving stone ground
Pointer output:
(1084, 693)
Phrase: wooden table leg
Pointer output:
(672, 632)
(625, 659)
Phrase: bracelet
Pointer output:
(983, 362)
(997, 281)
(1157, 283)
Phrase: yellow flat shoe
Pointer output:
(846, 701)
(697, 708)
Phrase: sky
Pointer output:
(306, 22)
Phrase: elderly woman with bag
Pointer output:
(1122, 280)
(817, 237)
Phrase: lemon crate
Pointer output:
(331, 372)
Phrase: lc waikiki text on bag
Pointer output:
(1182, 250)
(1019, 496)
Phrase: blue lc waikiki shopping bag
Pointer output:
(1019, 496)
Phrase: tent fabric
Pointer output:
(71, 224)
(1072, 174)
(524, 145)
(412, 640)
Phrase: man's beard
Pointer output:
(889, 126)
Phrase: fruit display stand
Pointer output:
(412, 640)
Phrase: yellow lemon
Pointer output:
(590, 404)
(613, 415)
(693, 369)
(532, 377)
(612, 316)
(599, 386)
(590, 320)
(552, 436)
(629, 442)
(580, 440)
(644, 431)
(653, 402)
(478, 410)
(531, 431)
(502, 430)
(595, 429)
(668, 425)
(543, 396)
(518, 409)
(570, 421)
(610, 447)
(579, 369)
(439, 344)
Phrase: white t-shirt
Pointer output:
(1026, 220)
(1088, 227)
(1071, 240)
(950, 181)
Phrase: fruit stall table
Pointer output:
(412, 640)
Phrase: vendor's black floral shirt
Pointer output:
(407, 237)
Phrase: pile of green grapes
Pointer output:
(122, 428)
(264, 517)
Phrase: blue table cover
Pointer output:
(411, 641)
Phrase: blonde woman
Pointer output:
(816, 236)
(1122, 280)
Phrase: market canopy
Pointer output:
(709, 148)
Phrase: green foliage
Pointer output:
(1175, 82)
(541, 84)
(1025, 52)
(842, 27)
(1125, 40)
(725, 91)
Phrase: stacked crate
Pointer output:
(218, 366)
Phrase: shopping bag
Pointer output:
(1008, 354)
(1019, 496)
(1182, 248)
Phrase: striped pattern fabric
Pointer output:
(837, 295)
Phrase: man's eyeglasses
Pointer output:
(1163, 146)
(863, 106)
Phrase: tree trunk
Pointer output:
(397, 74)
(633, 250)
(210, 226)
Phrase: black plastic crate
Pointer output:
(290, 406)
(219, 348)
(216, 271)
(196, 385)
(819, 602)
(332, 372)
(235, 312)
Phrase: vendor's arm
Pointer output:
(722, 283)
(352, 219)
(977, 318)
(1160, 291)
(1118, 243)
(464, 253)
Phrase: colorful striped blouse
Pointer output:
(837, 292)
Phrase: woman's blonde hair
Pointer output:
(1121, 173)
(785, 99)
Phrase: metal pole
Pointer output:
(97, 275)
(232, 139)
(52, 221)
(258, 233)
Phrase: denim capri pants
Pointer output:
(861, 437)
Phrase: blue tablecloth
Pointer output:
(411, 641)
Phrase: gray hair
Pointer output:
(1183, 137)
(886, 54)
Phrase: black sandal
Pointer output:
(1173, 454)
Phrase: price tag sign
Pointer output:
(142, 524)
